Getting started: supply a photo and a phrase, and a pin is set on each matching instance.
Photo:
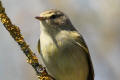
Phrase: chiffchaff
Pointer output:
(63, 49)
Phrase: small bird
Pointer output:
(62, 47)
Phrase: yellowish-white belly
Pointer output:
(63, 59)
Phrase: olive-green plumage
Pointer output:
(63, 49)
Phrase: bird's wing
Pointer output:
(80, 41)
(38, 46)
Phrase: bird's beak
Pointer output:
(40, 18)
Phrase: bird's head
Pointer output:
(54, 19)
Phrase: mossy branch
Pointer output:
(16, 35)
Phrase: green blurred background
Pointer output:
(97, 20)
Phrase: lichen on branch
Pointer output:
(16, 35)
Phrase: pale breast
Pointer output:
(64, 60)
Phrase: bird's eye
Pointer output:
(53, 16)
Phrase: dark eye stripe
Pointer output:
(54, 16)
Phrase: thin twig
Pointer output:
(16, 35)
